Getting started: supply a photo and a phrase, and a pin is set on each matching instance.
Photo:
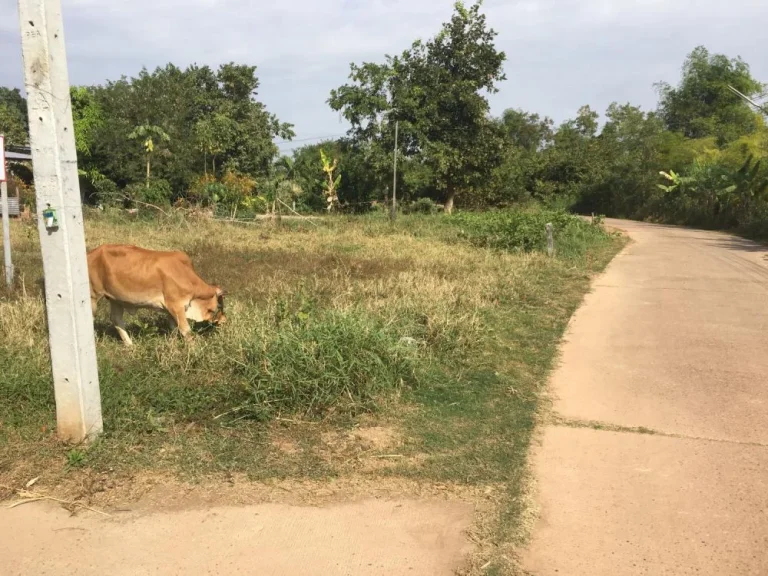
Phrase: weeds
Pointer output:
(441, 327)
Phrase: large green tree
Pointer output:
(436, 91)
(702, 105)
(13, 117)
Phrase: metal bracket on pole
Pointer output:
(67, 289)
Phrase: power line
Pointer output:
(310, 138)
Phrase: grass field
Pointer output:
(353, 347)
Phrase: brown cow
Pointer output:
(131, 278)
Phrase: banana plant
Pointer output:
(332, 184)
(748, 184)
(677, 181)
(148, 133)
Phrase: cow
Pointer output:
(131, 277)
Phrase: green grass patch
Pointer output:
(440, 328)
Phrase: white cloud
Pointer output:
(561, 53)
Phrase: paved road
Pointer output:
(673, 338)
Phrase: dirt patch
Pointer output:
(377, 437)
(370, 537)
(353, 525)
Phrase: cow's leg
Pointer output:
(116, 313)
(179, 316)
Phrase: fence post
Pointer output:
(550, 241)
(6, 217)
(60, 221)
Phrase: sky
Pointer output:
(561, 54)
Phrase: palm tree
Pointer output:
(148, 133)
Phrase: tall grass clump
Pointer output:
(342, 362)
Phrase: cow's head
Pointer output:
(208, 307)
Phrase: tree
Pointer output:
(13, 126)
(525, 130)
(210, 116)
(631, 150)
(702, 104)
(13, 117)
(434, 90)
(214, 135)
(251, 148)
(88, 118)
(148, 134)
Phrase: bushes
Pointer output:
(205, 190)
(422, 206)
(159, 192)
(232, 191)
(516, 230)
(106, 192)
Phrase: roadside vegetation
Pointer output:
(434, 335)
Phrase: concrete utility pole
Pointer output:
(6, 216)
(60, 221)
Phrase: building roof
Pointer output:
(17, 155)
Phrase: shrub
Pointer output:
(106, 192)
(516, 230)
(159, 192)
(421, 206)
(237, 187)
(256, 204)
(205, 190)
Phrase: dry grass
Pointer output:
(354, 350)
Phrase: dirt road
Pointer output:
(674, 339)
(373, 537)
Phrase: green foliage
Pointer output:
(12, 126)
(421, 206)
(332, 181)
(88, 119)
(13, 117)
(702, 105)
(434, 90)
(237, 188)
(158, 192)
(106, 192)
(346, 361)
(212, 118)
(204, 132)
(516, 230)
(76, 458)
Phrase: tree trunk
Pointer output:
(449, 198)
(205, 163)
(213, 162)
(147, 170)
